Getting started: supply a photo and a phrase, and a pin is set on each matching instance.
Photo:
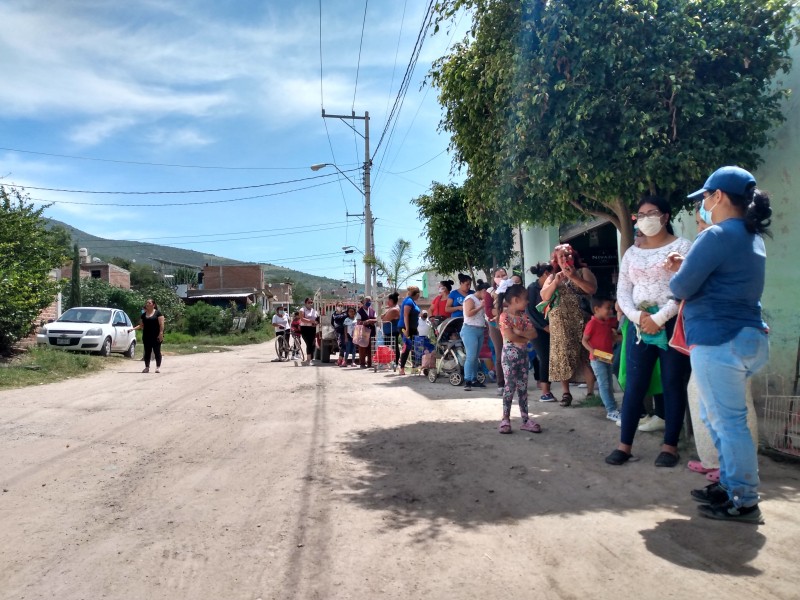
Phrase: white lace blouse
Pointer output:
(643, 280)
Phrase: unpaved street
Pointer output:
(230, 477)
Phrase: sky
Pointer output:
(190, 95)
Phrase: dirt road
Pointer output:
(231, 477)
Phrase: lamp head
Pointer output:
(318, 166)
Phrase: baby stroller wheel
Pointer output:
(480, 377)
(432, 375)
(456, 378)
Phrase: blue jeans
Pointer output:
(605, 384)
(472, 337)
(722, 373)
(675, 370)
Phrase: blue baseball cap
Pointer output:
(731, 180)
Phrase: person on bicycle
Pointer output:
(280, 322)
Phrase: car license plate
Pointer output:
(62, 342)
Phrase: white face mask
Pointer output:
(650, 226)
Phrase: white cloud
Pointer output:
(184, 137)
(95, 131)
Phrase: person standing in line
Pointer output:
(350, 347)
(366, 315)
(409, 324)
(643, 293)
(472, 334)
(721, 280)
(438, 312)
(337, 322)
(517, 332)
(309, 318)
(152, 326)
(541, 343)
(455, 300)
(391, 329)
(425, 325)
(599, 336)
(571, 279)
(492, 313)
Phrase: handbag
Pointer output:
(548, 305)
(678, 339)
(361, 335)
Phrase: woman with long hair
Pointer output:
(152, 326)
(390, 319)
(472, 334)
(438, 312)
(721, 280)
(569, 281)
(409, 324)
(309, 317)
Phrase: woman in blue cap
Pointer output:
(722, 279)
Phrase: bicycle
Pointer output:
(282, 348)
(296, 349)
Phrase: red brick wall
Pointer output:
(119, 277)
(233, 276)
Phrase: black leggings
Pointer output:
(309, 334)
(151, 346)
(407, 348)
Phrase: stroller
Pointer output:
(451, 355)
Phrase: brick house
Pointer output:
(241, 284)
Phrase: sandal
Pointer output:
(505, 426)
(566, 400)
(713, 476)
(697, 467)
(618, 457)
(531, 426)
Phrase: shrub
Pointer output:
(202, 318)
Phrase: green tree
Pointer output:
(143, 276)
(75, 280)
(397, 267)
(566, 109)
(169, 304)
(185, 276)
(455, 243)
(28, 252)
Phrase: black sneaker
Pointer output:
(711, 494)
(478, 384)
(467, 386)
(728, 512)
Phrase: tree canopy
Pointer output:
(454, 242)
(28, 252)
(580, 107)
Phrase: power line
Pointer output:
(129, 193)
(150, 164)
(396, 54)
(284, 192)
(175, 237)
(417, 167)
(360, 46)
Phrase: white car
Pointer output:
(90, 329)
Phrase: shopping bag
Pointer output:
(361, 335)
(678, 339)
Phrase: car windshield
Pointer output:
(86, 315)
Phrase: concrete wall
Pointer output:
(537, 246)
(782, 294)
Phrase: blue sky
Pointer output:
(220, 84)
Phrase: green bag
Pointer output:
(655, 381)
(546, 306)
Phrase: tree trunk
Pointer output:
(625, 228)
(75, 283)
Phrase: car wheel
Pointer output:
(105, 350)
(131, 351)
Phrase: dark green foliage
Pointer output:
(28, 252)
(566, 109)
(454, 242)
(202, 318)
(74, 298)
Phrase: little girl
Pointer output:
(517, 331)
(349, 328)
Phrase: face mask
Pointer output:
(650, 226)
(499, 280)
(367, 304)
(706, 214)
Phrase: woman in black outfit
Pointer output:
(152, 326)
(541, 343)
(366, 314)
(308, 328)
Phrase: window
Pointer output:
(95, 274)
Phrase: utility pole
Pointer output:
(369, 242)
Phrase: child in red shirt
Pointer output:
(598, 338)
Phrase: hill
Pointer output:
(167, 257)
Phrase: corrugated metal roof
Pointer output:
(236, 295)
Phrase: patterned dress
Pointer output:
(566, 331)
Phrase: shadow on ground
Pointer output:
(432, 475)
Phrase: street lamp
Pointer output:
(369, 234)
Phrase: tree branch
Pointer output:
(596, 212)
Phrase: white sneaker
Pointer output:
(614, 416)
(642, 421)
(655, 423)
(582, 385)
